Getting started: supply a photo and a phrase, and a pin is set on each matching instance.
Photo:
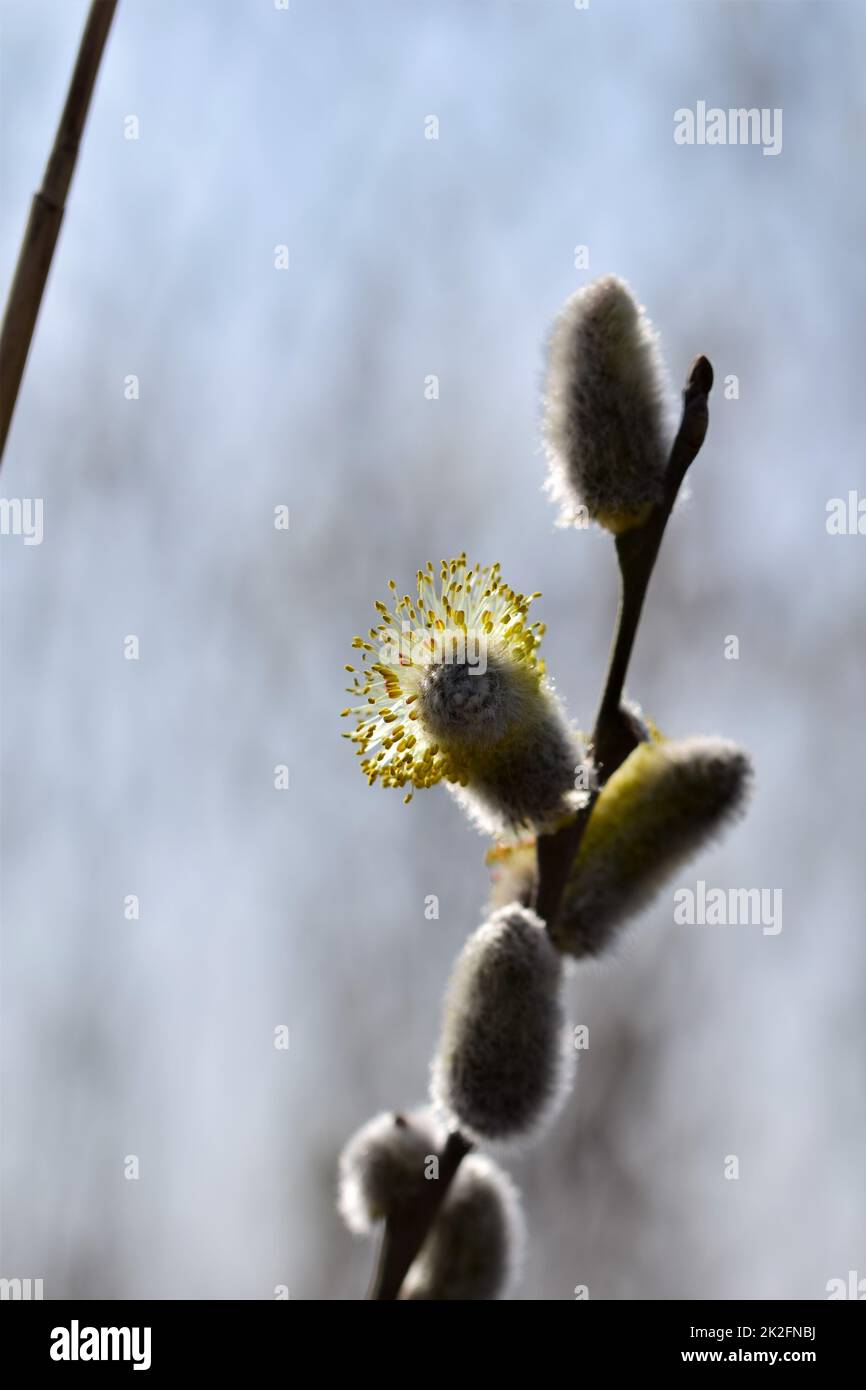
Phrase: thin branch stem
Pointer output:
(406, 1232)
(613, 736)
(46, 215)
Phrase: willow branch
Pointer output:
(613, 738)
(407, 1230)
(46, 215)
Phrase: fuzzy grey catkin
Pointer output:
(525, 780)
(667, 800)
(382, 1167)
(502, 1066)
(475, 1247)
(606, 419)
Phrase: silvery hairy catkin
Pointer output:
(474, 1249)
(666, 801)
(502, 1066)
(606, 426)
(526, 779)
(383, 1166)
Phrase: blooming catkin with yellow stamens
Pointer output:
(605, 416)
(502, 1067)
(474, 1249)
(666, 801)
(452, 689)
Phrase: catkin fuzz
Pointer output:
(502, 1066)
(474, 1249)
(383, 1166)
(606, 426)
(451, 688)
(667, 800)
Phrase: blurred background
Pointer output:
(412, 257)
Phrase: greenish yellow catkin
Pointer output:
(667, 800)
(606, 425)
(383, 1165)
(475, 1247)
(502, 1066)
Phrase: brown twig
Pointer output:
(613, 738)
(46, 215)
(406, 1232)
